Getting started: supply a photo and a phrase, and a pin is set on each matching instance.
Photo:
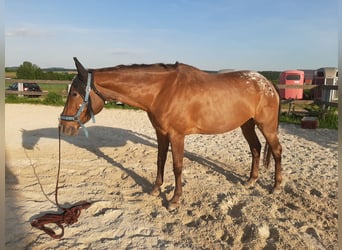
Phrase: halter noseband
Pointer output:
(81, 108)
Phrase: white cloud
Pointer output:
(27, 32)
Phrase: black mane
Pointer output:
(156, 66)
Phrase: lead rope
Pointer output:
(69, 215)
(59, 168)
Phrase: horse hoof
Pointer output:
(172, 206)
(250, 183)
(155, 192)
(277, 190)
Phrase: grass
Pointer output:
(327, 119)
(61, 89)
(289, 118)
(24, 99)
(11, 74)
(330, 120)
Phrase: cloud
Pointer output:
(26, 32)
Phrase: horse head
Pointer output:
(83, 102)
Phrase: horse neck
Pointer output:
(135, 88)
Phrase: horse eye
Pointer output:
(74, 94)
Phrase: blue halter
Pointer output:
(81, 108)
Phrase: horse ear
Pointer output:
(82, 72)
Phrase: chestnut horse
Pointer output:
(181, 100)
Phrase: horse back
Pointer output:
(198, 102)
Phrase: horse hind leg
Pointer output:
(267, 156)
(177, 148)
(275, 148)
(248, 131)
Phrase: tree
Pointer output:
(29, 71)
(272, 76)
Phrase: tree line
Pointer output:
(30, 71)
(272, 76)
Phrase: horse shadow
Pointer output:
(101, 136)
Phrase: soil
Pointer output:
(115, 169)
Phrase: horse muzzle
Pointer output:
(68, 130)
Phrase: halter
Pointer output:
(81, 108)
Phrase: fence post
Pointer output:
(325, 99)
(20, 88)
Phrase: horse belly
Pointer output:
(220, 123)
(217, 118)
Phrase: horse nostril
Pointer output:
(73, 131)
(68, 130)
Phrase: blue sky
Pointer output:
(208, 34)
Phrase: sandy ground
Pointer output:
(115, 168)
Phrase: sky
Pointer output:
(207, 34)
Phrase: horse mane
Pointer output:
(153, 67)
(146, 67)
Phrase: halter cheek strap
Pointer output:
(80, 110)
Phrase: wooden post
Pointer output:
(20, 88)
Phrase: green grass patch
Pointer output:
(53, 99)
(24, 99)
(328, 119)
(61, 89)
(290, 118)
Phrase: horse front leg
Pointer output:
(177, 147)
(163, 146)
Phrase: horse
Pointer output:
(180, 100)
